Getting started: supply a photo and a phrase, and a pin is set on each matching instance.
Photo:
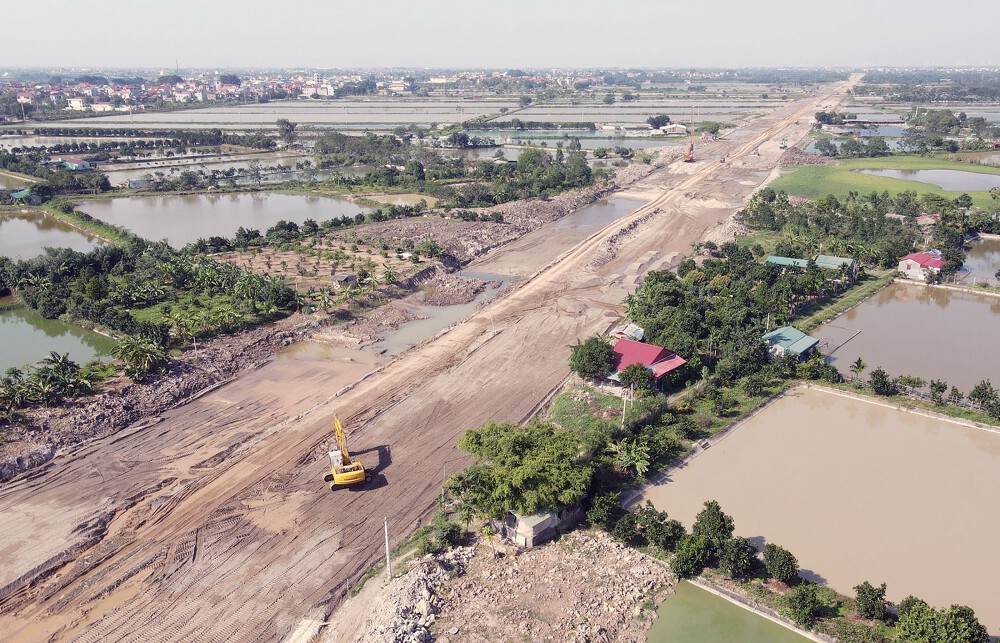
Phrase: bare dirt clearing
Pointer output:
(215, 523)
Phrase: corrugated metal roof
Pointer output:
(791, 340)
(787, 262)
(829, 262)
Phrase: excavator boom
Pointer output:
(345, 471)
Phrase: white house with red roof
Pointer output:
(917, 265)
(656, 359)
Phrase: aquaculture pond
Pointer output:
(28, 337)
(184, 219)
(694, 615)
(944, 179)
(24, 235)
(914, 329)
(858, 490)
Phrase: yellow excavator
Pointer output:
(345, 471)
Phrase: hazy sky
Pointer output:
(502, 33)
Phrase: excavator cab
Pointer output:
(345, 471)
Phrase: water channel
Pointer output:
(694, 615)
(914, 329)
(24, 235)
(858, 491)
(944, 179)
(28, 337)
(184, 219)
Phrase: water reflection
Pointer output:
(27, 338)
(24, 235)
(913, 329)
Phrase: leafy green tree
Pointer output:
(780, 563)
(918, 621)
(870, 601)
(738, 557)
(658, 121)
(638, 376)
(881, 383)
(592, 358)
(754, 385)
(605, 510)
(712, 523)
(983, 394)
(955, 396)
(525, 469)
(958, 624)
(802, 604)
(692, 554)
(938, 389)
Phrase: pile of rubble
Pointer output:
(585, 587)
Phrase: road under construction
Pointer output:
(212, 521)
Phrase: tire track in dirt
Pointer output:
(274, 542)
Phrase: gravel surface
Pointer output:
(585, 587)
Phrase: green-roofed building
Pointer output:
(829, 262)
(25, 196)
(790, 341)
(787, 262)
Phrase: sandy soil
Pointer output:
(215, 523)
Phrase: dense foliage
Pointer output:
(525, 469)
(592, 357)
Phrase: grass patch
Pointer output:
(583, 410)
(850, 299)
(112, 234)
(916, 403)
(815, 181)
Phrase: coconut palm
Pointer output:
(389, 275)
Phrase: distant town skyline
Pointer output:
(515, 33)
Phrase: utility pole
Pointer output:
(388, 560)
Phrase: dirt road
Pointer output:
(212, 523)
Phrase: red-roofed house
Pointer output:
(655, 358)
(917, 265)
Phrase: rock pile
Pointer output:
(586, 587)
(408, 609)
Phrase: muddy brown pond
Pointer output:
(914, 329)
(858, 491)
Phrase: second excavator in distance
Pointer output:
(345, 471)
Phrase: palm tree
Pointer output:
(857, 367)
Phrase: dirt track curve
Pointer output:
(213, 523)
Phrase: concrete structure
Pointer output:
(919, 265)
(75, 164)
(674, 129)
(344, 280)
(656, 359)
(628, 331)
(76, 103)
(529, 531)
(790, 341)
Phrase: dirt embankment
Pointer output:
(585, 587)
(123, 402)
(466, 240)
